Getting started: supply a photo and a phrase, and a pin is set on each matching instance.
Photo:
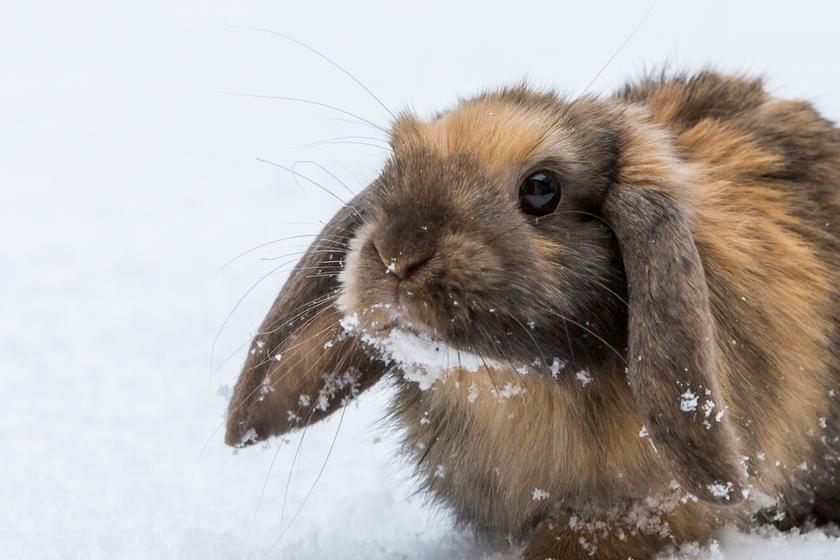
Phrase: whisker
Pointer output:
(320, 471)
(498, 348)
(594, 280)
(486, 367)
(328, 172)
(307, 323)
(291, 469)
(325, 251)
(262, 493)
(569, 340)
(323, 188)
(235, 307)
(309, 102)
(332, 444)
(346, 170)
(299, 312)
(310, 306)
(339, 119)
(590, 331)
(337, 138)
(352, 143)
(323, 56)
(619, 49)
(534, 340)
(238, 303)
(261, 245)
(297, 452)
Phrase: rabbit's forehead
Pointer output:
(501, 137)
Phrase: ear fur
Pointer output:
(302, 365)
(671, 340)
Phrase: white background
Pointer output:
(128, 176)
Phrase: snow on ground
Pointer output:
(128, 177)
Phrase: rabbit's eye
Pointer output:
(539, 194)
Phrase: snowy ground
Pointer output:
(128, 177)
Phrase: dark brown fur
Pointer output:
(689, 277)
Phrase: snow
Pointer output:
(556, 365)
(422, 359)
(720, 490)
(538, 495)
(688, 401)
(128, 177)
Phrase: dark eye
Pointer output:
(539, 194)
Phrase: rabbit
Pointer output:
(637, 300)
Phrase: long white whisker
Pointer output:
(323, 56)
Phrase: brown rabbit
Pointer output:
(649, 282)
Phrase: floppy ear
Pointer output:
(671, 341)
(302, 364)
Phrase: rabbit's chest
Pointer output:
(505, 449)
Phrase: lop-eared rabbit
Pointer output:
(637, 301)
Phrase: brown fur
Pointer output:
(688, 280)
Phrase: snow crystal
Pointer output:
(762, 500)
(688, 401)
(225, 391)
(506, 392)
(472, 393)
(265, 387)
(584, 377)
(556, 366)
(538, 495)
(708, 406)
(720, 490)
(249, 436)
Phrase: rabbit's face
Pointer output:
(483, 231)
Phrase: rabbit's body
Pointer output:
(687, 372)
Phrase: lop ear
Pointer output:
(671, 341)
(302, 365)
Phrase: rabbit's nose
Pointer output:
(401, 264)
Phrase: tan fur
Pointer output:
(503, 138)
